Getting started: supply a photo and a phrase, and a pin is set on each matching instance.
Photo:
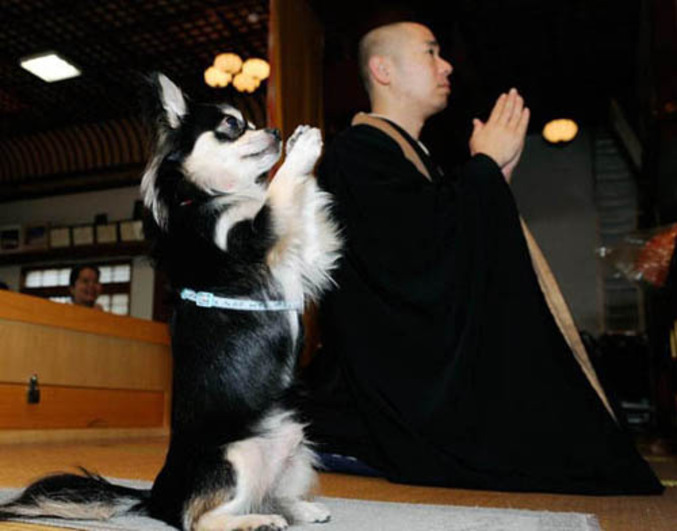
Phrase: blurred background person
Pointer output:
(85, 287)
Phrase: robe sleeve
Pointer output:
(400, 224)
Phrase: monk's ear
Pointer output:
(380, 69)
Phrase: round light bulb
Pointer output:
(560, 131)
(228, 62)
(256, 68)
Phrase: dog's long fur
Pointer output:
(238, 458)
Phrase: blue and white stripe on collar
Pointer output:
(205, 299)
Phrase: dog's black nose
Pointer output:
(275, 132)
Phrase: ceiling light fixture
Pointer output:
(49, 67)
(245, 76)
(560, 131)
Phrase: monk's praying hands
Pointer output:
(502, 136)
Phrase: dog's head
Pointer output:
(210, 148)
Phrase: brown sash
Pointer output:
(409, 152)
(546, 280)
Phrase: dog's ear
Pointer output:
(173, 101)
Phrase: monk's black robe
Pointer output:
(441, 363)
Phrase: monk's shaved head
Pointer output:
(384, 41)
(404, 74)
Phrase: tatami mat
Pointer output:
(142, 459)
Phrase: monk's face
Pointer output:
(420, 74)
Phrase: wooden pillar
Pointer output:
(295, 50)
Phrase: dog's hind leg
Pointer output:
(256, 462)
(293, 486)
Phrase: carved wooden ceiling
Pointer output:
(86, 132)
(114, 42)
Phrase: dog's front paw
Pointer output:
(300, 130)
(304, 147)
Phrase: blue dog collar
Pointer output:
(205, 299)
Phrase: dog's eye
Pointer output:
(232, 122)
(230, 128)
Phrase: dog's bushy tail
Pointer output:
(77, 497)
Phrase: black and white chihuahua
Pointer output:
(243, 255)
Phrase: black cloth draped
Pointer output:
(441, 363)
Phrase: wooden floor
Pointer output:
(142, 459)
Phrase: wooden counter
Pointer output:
(100, 375)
